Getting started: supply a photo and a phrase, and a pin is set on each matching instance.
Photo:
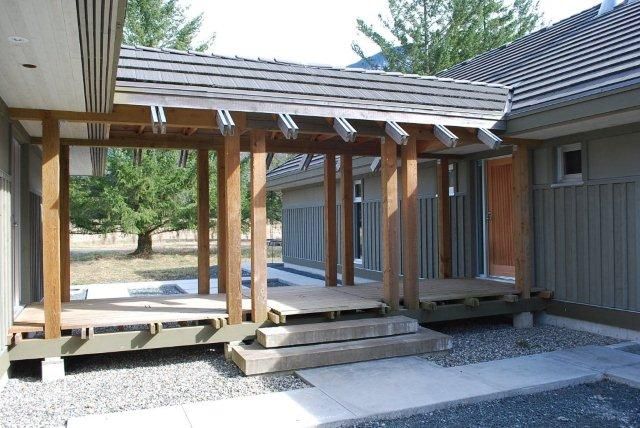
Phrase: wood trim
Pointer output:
(523, 219)
(330, 244)
(65, 249)
(51, 260)
(444, 220)
(221, 222)
(233, 274)
(346, 183)
(258, 227)
(410, 224)
(204, 274)
(389, 220)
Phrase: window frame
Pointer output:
(358, 200)
(562, 176)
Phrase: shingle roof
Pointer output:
(574, 57)
(292, 165)
(299, 89)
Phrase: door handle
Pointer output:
(489, 216)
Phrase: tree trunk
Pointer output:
(145, 245)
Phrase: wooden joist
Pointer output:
(397, 134)
(344, 129)
(330, 243)
(445, 136)
(87, 333)
(489, 138)
(287, 126)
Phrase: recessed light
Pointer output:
(18, 40)
(29, 65)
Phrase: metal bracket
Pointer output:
(375, 165)
(397, 134)
(345, 130)
(489, 138)
(158, 120)
(288, 126)
(225, 123)
(305, 162)
(445, 136)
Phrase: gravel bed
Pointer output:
(128, 381)
(601, 404)
(487, 339)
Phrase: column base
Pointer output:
(52, 369)
(523, 320)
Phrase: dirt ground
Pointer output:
(91, 264)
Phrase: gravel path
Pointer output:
(602, 404)
(127, 381)
(479, 340)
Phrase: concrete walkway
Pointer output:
(390, 388)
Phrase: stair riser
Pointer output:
(325, 358)
(335, 334)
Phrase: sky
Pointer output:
(311, 32)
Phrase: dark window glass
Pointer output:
(357, 190)
(359, 233)
(573, 162)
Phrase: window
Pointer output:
(570, 163)
(358, 220)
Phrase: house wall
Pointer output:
(6, 282)
(587, 236)
(303, 224)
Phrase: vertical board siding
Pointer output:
(302, 234)
(372, 235)
(428, 237)
(586, 243)
(6, 261)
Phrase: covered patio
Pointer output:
(197, 104)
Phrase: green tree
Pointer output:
(428, 36)
(153, 197)
(162, 24)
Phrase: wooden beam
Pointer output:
(258, 227)
(330, 244)
(51, 227)
(204, 275)
(444, 220)
(346, 183)
(233, 275)
(221, 223)
(410, 224)
(523, 219)
(65, 249)
(389, 172)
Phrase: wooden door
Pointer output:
(501, 250)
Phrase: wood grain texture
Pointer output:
(51, 227)
(523, 219)
(258, 227)
(346, 184)
(330, 244)
(204, 275)
(65, 249)
(410, 224)
(444, 220)
(389, 220)
(500, 206)
(233, 275)
(221, 223)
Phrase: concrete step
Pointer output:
(306, 334)
(254, 359)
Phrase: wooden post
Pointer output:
(233, 260)
(203, 222)
(389, 171)
(330, 244)
(51, 227)
(523, 219)
(444, 220)
(65, 248)
(258, 227)
(221, 226)
(410, 224)
(346, 182)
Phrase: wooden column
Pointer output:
(203, 222)
(258, 227)
(410, 224)
(221, 227)
(330, 244)
(51, 227)
(523, 219)
(444, 220)
(389, 171)
(65, 248)
(346, 182)
(233, 276)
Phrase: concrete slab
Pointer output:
(629, 375)
(52, 369)
(596, 357)
(529, 374)
(397, 386)
(160, 417)
(308, 407)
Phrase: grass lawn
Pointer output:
(170, 261)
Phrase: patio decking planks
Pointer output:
(129, 311)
